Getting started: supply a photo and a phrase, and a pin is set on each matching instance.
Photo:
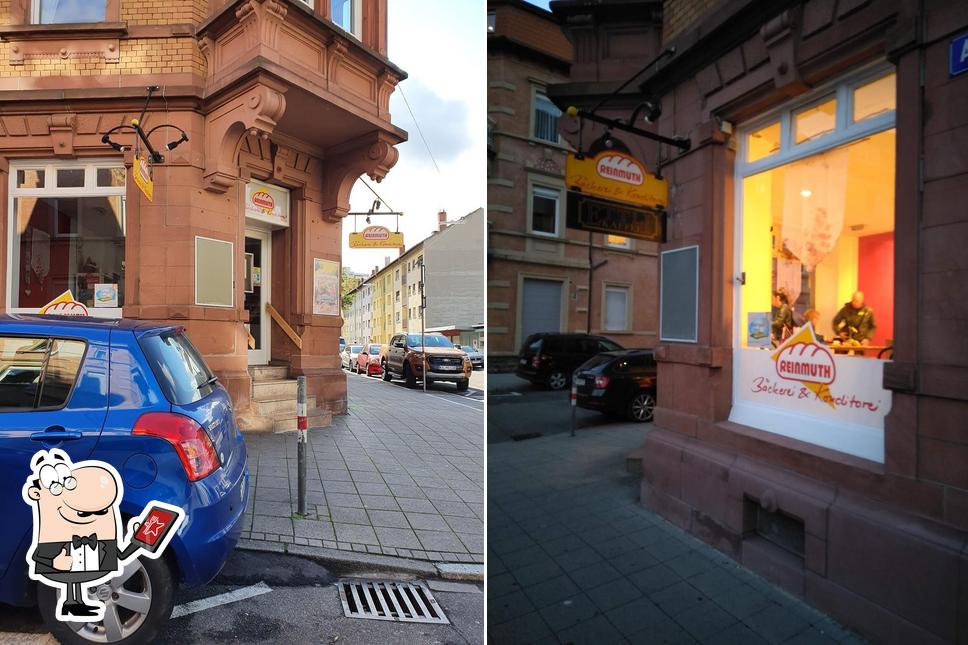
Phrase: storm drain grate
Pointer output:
(408, 602)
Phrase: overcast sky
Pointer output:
(441, 44)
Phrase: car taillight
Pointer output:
(601, 382)
(191, 442)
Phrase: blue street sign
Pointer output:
(958, 61)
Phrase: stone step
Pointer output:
(286, 405)
(251, 423)
(269, 372)
(317, 417)
(274, 389)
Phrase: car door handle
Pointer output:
(56, 433)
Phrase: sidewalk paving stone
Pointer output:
(402, 474)
(573, 558)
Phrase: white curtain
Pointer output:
(814, 196)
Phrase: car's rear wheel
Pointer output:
(642, 407)
(557, 380)
(386, 372)
(409, 377)
(138, 602)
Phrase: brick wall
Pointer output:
(678, 15)
(157, 55)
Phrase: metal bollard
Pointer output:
(303, 427)
(574, 405)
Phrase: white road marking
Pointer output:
(221, 599)
(16, 638)
(463, 405)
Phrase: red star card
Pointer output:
(156, 526)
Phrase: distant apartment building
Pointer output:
(389, 302)
(542, 275)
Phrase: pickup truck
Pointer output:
(405, 356)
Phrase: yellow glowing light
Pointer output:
(806, 192)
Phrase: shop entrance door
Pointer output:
(256, 291)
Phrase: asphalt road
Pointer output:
(301, 605)
(518, 410)
(473, 396)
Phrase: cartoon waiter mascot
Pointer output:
(77, 523)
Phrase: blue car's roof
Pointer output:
(82, 322)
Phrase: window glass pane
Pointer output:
(815, 121)
(110, 177)
(544, 211)
(70, 177)
(815, 233)
(875, 97)
(30, 179)
(182, 373)
(546, 116)
(763, 143)
(213, 272)
(21, 361)
(66, 243)
(616, 309)
(491, 21)
(58, 11)
(342, 12)
(62, 368)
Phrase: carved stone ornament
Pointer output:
(256, 111)
(372, 155)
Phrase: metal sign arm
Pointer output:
(155, 156)
(683, 143)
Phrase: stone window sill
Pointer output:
(76, 30)
(64, 41)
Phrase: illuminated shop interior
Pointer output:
(822, 227)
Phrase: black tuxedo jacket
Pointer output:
(108, 551)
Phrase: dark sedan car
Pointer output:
(619, 383)
(550, 358)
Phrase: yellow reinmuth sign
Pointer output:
(376, 237)
(142, 177)
(618, 176)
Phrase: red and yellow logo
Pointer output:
(264, 201)
(804, 359)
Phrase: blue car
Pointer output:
(140, 397)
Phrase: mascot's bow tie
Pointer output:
(90, 540)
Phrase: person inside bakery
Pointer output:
(782, 315)
(855, 321)
(812, 316)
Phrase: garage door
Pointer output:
(541, 306)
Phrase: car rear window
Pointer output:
(182, 373)
(609, 346)
(374, 349)
(597, 361)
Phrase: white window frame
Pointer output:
(627, 290)
(356, 29)
(540, 89)
(551, 192)
(90, 189)
(863, 441)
